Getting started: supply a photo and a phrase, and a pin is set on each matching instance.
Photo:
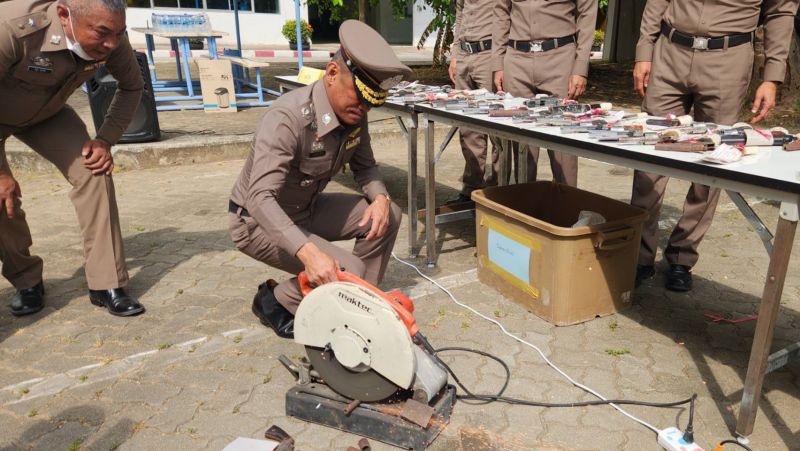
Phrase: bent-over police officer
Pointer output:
(698, 54)
(47, 50)
(279, 213)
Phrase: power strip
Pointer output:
(671, 439)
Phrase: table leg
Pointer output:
(212, 47)
(767, 314)
(430, 195)
(504, 168)
(413, 207)
(177, 50)
(185, 51)
(148, 39)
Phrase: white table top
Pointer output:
(181, 34)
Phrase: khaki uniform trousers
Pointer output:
(715, 83)
(60, 139)
(473, 71)
(334, 217)
(528, 74)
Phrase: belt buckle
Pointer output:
(700, 43)
(536, 46)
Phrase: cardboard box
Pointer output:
(216, 82)
(530, 253)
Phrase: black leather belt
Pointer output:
(542, 45)
(234, 208)
(704, 43)
(476, 46)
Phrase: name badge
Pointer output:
(320, 153)
(40, 70)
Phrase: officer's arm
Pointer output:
(650, 28)
(274, 146)
(778, 28)
(586, 16)
(455, 48)
(502, 26)
(125, 69)
(365, 169)
(9, 55)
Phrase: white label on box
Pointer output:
(510, 255)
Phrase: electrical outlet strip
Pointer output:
(671, 439)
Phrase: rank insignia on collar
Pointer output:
(355, 132)
(306, 182)
(326, 119)
(352, 142)
(41, 61)
(55, 39)
(31, 22)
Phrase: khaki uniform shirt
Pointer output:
(297, 148)
(712, 18)
(529, 20)
(474, 21)
(38, 73)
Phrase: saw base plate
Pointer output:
(317, 403)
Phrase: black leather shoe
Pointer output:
(28, 300)
(116, 301)
(644, 272)
(460, 199)
(679, 278)
(271, 313)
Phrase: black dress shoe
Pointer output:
(460, 199)
(679, 278)
(28, 300)
(271, 313)
(116, 301)
(644, 272)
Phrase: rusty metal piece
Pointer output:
(285, 441)
(351, 406)
(363, 445)
(417, 412)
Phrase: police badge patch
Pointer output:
(41, 65)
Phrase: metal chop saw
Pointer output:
(369, 369)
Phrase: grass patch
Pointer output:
(32, 413)
(83, 378)
(616, 352)
(237, 339)
(164, 346)
(613, 325)
(76, 444)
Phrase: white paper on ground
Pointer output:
(251, 444)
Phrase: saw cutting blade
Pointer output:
(368, 386)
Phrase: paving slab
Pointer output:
(198, 369)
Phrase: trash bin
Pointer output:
(529, 251)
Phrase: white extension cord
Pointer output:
(666, 437)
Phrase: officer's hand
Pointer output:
(641, 76)
(9, 191)
(577, 85)
(320, 267)
(98, 159)
(452, 70)
(498, 81)
(764, 100)
(378, 214)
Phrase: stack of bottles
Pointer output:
(181, 23)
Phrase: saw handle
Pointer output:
(397, 300)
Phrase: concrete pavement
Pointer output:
(198, 370)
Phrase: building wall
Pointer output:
(256, 30)
(422, 17)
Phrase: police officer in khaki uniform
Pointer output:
(543, 47)
(470, 68)
(278, 212)
(698, 54)
(47, 50)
